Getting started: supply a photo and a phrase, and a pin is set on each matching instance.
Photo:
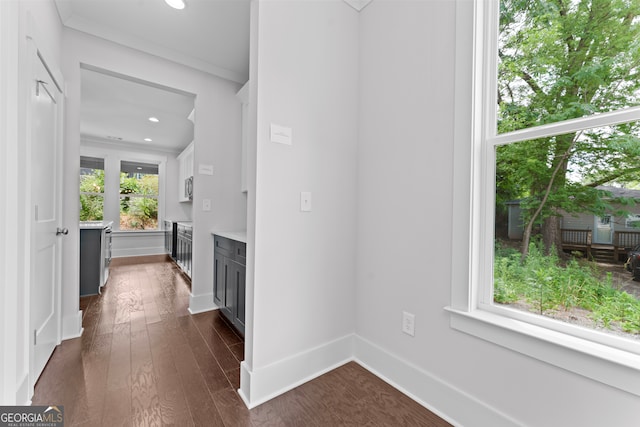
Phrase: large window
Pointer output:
(547, 133)
(561, 137)
(138, 196)
(126, 189)
(91, 189)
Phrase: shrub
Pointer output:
(546, 283)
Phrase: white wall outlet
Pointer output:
(305, 201)
(408, 323)
(206, 204)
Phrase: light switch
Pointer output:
(305, 201)
(206, 204)
(281, 134)
(205, 169)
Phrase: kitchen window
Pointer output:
(548, 113)
(138, 196)
(126, 188)
(91, 189)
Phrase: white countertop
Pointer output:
(95, 225)
(239, 236)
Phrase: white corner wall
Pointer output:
(405, 262)
(304, 76)
(217, 132)
(38, 20)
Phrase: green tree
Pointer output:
(559, 60)
(91, 196)
(138, 201)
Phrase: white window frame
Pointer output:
(143, 196)
(631, 219)
(600, 356)
(86, 193)
(113, 158)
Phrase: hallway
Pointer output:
(143, 360)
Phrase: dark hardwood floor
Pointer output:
(143, 360)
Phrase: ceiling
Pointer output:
(116, 110)
(208, 35)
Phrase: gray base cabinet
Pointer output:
(95, 256)
(229, 268)
(184, 247)
(170, 237)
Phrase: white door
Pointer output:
(45, 195)
(604, 230)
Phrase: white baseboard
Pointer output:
(201, 303)
(435, 394)
(72, 326)
(23, 397)
(263, 384)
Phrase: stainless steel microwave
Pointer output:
(188, 188)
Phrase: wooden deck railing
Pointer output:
(626, 239)
(576, 237)
(581, 240)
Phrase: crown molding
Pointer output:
(358, 4)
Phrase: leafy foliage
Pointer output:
(138, 201)
(91, 202)
(545, 285)
(561, 60)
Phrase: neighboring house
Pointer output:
(610, 229)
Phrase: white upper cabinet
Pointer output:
(243, 96)
(185, 174)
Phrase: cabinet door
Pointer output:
(227, 278)
(240, 297)
(235, 293)
(218, 280)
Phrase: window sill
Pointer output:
(616, 368)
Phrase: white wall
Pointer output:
(217, 142)
(39, 20)
(304, 76)
(405, 260)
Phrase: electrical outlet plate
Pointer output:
(305, 201)
(408, 323)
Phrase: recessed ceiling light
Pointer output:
(176, 4)
(148, 139)
(154, 119)
(139, 168)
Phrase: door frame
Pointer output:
(33, 54)
(596, 226)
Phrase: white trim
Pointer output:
(473, 215)
(608, 365)
(10, 194)
(113, 156)
(72, 326)
(440, 397)
(568, 126)
(265, 383)
(22, 394)
(358, 4)
(432, 392)
(136, 43)
(201, 303)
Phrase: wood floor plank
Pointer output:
(144, 360)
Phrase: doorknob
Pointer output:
(62, 231)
